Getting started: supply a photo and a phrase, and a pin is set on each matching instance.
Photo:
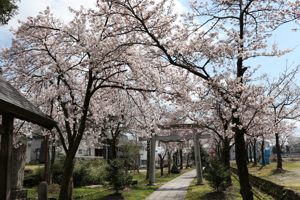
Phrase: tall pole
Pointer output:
(198, 160)
(152, 160)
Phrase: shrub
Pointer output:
(129, 154)
(97, 172)
(216, 174)
(80, 174)
(86, 172)
(116, 176)
(57, 170)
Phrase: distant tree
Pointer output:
(286, 106)
(161, 162)
(8, 8)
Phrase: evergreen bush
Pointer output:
(216, 174)
(116, 176)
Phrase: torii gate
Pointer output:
(13, 104)
(176, 138)
(153, 139)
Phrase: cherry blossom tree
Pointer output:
(239, 30)
(210, 111)
(286, 106)
(61, 67)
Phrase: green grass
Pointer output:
(78, 193)
(205, 192)
(34, 167)
(289, 178)
(138, 192)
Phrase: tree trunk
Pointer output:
(175, 158)
(226, 159)
(161, 164)
(247, 154)
(66, 184)
(148, 159)
(278, 153)
(169, 162)
(263, 162)
(262, 149)
(254, 152)
(181, 158)
(113, 146)
(240, 150)
(240, 147)
(250, 154)
(53, 155)
(187, 160)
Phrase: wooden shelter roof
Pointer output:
(11, 101)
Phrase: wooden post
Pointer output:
(5, 156)
(198, 160)
(152, 161)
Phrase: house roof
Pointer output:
(11, 101)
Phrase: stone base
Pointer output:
(18, 194)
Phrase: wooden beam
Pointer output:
(5, 156)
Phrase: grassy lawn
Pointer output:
(34, 167)
(138, 192)
(78, 193)
(289, 178)
(205, 192)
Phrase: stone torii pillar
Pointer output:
(152, 160)
(154, 138)
(198, 160)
